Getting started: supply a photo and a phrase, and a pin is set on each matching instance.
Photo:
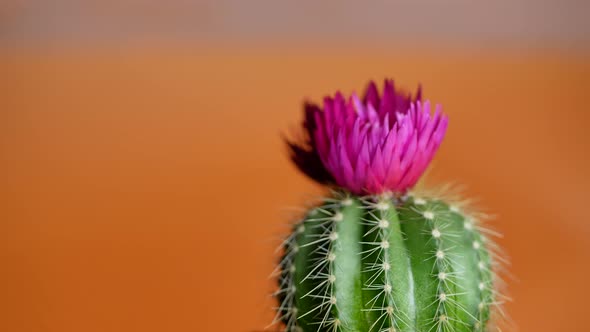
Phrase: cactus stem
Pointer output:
(386, 264)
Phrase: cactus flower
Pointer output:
(382, 143)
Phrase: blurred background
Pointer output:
(144, 184)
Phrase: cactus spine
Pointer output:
(377, 263)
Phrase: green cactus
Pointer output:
(379, 255)
(378, 263)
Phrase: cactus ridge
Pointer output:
(379, 263)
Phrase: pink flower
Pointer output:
(382, 143)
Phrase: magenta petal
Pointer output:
(372, 95)
(410, 152)
(390, 140)
(346, 169)
(373, 184)
(363, 162)
(378, 166)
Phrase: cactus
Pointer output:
(375, 256)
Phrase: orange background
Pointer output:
(144, 190)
